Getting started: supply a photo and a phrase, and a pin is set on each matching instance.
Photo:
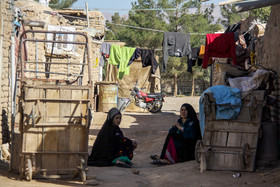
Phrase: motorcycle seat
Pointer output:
(155, 95)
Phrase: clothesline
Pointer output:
(143, 28)
(142, 9)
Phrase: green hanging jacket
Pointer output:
(120, 56)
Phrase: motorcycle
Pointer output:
(151, 101)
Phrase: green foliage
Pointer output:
(262, 14)
(188, 17)
(60, 4)
(146, 19)
(230, 16)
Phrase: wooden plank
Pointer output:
(55, 87)
(85, 95)
(232, 126)
(50, 144)
(64, 139)
(219, 139)
(206, 139)
(251, 139)
(74, 132)
(31, 140)
(234, 139)
(52, 109)
(51, 134)
(63, 146)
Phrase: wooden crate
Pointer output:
(232, 144)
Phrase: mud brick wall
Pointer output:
(268, 53)
(5, 44)
(32, 10)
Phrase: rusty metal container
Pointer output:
(108, 96)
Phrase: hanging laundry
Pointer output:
(119, 56)
(233, 28)
(147, 57)
(195, 53)
(105, 53)
(135, 56)
(201, 55)
(201, 52)
(196, 60)
(219, 45)
(175, 44)
(242, 53)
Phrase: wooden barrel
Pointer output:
(108, 96)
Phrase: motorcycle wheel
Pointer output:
(156, 107)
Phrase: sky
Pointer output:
(114, 4)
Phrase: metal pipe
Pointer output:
(74, 75)
(30, 62)
(57, 41)
(13, 99)
(54, 32)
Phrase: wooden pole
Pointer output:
(175, 84)
(250, 5)
(229, 2)
(192, 85)
(87, 14)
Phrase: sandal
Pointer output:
(158, 162)
(154, 157)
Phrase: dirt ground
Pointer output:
(150, 131)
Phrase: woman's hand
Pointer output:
(178, 126)
(175, 124)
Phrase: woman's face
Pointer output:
(184, 112)
(117, 119)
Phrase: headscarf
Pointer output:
(192, 115)
(102, 153)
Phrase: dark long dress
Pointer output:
(183, 143)
(110, 143)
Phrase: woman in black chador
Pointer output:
(111, 147)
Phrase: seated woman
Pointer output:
(111, 147)
(180, 142)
